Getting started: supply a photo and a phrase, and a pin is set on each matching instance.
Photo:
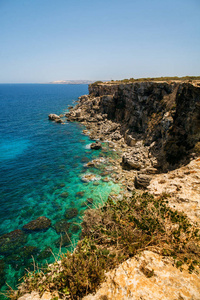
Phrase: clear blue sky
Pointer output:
(47, 40)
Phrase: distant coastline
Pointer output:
(72, 82)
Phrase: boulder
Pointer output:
(96, 146)
(59, 121)
(116, 136)
(53, 117)
(130, 140)
(131, 161)
(85, 159)
(40, 224)
(9, 242)
(142, 180)
(106, 179)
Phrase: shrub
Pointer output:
(96, 83)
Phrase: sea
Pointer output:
(42, 164)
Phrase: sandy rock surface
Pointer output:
(148, 277)
(183, 187)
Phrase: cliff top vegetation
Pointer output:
(155, 79)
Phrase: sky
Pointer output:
(48, 40)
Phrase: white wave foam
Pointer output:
(87, 146)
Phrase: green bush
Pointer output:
(96, 83)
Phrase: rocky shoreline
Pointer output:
(155, 127)
(153, 137)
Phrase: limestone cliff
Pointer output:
(166, 114)
(155, 125)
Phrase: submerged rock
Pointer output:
(80, 194)
(71, 213)
(64, 195)
(40, 224)
(55, 118)
(62, 226)
(9, 242)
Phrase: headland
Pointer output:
(155, 125)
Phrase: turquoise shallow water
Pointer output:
(41, 169)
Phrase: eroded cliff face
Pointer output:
(165, 114)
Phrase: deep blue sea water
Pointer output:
(41, 164)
